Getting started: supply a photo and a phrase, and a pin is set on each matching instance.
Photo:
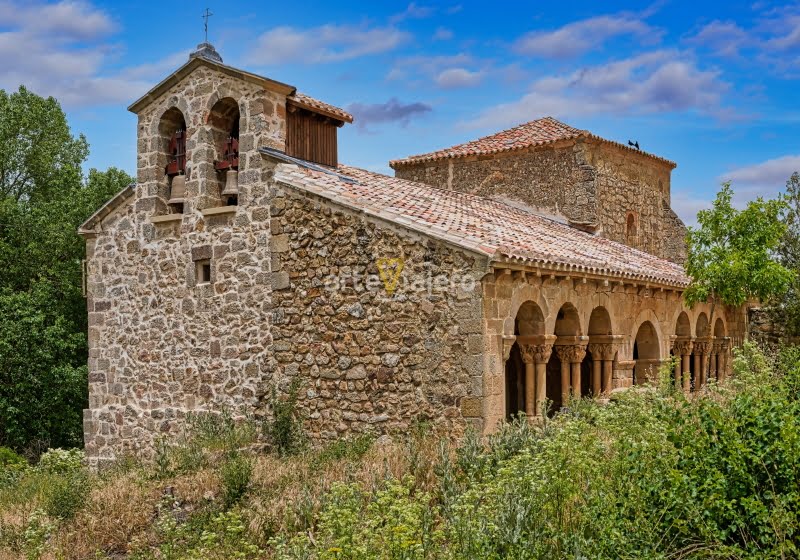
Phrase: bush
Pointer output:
(236, 473)
(62, 461)
(285, 431)
(65, 495)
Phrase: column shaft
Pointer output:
(541, 387)
(687, 373)
(530, 390)
(596, 377)
(607, 371)
(576, 379)
(564, 382)
(697, 361)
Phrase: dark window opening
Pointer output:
(204, 271)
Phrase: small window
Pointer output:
(203, 271)
(630, 228)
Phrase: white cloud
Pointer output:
(393, 110)
(655, 82)
(327, 43)
(454, 78)
(771, 173)
(582, 36)
(724, 38)
(413, 11)
(442, 34)
(61, 48)
(686, 205)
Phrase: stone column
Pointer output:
(535, 351)
(526, 350)
(697, 360)
(564, 357)
(682, 349)
(577, 358)
(542, 356)
(702, 349)
(602, 364)
(725, 346)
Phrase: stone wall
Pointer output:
(554, 179)
(593, 185)
(765, 330)
(367, 359)
(633, 184)
(160, 343)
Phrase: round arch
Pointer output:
(720, 329)
(702, 325)
(529, 319)
(568, 321)
(645, 315)
(519, 299)
(600, 322)
(683, 327)
(646, 352)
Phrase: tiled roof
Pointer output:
(318, 106)
(479, 224)
(535, 133)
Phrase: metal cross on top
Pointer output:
(207, 14)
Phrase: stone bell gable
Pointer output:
(594, 184)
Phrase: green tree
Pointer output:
(731, 255)
(785, 310)
(44, 197)
(37, 148)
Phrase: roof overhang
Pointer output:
(189, 67)
(87, 228)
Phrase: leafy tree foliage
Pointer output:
(731, 256)
(786, 309)
(44, 197)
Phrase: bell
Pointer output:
(178, 191)
(231, 183)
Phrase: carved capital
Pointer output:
(682, 347)
(702, 347)
(602, 350)
(572, 353)
(528, 353)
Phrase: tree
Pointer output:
(44, 197)
(785, 310)
(731, 255)
(37, 149)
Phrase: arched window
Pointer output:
(631, 228)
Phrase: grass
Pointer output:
(652, 475)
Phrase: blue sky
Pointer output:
(713, 87)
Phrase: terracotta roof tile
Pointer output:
(481, 225)
(535, 133)
(320, 106)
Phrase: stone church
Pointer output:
(497, 277)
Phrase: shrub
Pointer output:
(65, 495)
(62, 461)
(236, 473)
(285, 431)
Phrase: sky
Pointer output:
(712, 86)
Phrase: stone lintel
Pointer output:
(606, 338)
(219, 210)
(572, 341)
(166, 218)
(536, 339)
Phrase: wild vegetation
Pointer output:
(650, 475)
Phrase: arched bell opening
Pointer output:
(172, 157)
(646, 354)
(224, 121)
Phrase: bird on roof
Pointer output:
(634, 144)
